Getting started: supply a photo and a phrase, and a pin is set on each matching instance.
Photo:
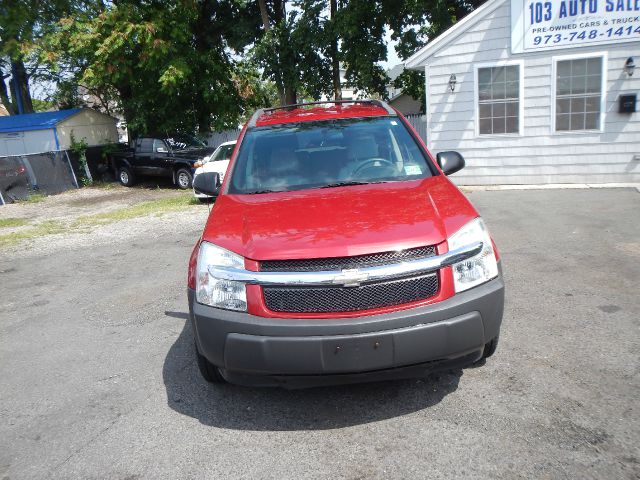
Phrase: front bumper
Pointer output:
(254, 350)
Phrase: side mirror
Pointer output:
(450, 162)
(207, 183)
(161, 150)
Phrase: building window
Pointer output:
(499, 100)
(578, 94)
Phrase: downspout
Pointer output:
(55, 136)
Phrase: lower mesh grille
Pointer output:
(350, 299)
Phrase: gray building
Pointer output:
(537, 92)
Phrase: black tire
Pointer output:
(125, 177)
(209, 372)
(184, 179)
(490, 348)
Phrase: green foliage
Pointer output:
(80, 149)
(42, 105)
(167, 62)
(197, 65)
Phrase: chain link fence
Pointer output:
(23, 175)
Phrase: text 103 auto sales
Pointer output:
(567, 23)
(543, 11)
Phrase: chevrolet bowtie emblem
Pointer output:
(350, 278)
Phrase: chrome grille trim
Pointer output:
(349, 278)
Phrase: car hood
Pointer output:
(193, 153)
(341, 221)
(219, 166)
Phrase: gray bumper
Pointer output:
(246, 346)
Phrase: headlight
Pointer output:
(214, 291)
(479, 269)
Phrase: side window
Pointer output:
(498, 100)
(159, 146)
(146, 145)
(228, 150)
(578, 94)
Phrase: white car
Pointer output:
(217, 162)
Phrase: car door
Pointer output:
(142, 161)
(162, 161)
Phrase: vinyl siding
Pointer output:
(94, 127)
(24, 143)
(538, 155)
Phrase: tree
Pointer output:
(167, 63)
(22, 24)
(292, 48)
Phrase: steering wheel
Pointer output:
(371, 163)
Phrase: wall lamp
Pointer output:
(453, 80)
(629, 65)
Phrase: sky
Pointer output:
(392, 56)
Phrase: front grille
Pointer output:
(350, 299)
(343, 263)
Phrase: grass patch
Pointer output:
(105, 185)
(153, 207)
(12, 222)
(48, 227)
(34, 198)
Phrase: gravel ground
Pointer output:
(97, 378)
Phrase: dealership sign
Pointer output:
(547, 24)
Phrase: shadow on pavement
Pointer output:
(274, 409)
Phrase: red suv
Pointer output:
(338, 251)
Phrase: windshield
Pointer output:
(223, 153)
(327, 154)
(183, 142)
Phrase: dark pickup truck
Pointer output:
(170, 157)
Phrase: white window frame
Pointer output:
(603, 100)
(476, 99)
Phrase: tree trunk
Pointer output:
(290, 95)
(335, 61)
(21, 81)
(264, 14)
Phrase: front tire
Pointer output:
(125, 177)
(209, 371)
(184, 179)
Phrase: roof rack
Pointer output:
(260, 112)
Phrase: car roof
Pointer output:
(230, 142)
(314, 111)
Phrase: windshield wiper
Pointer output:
(254, 192)
(348, 183)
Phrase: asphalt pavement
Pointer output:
(98, 379)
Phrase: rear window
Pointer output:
(327, 153)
